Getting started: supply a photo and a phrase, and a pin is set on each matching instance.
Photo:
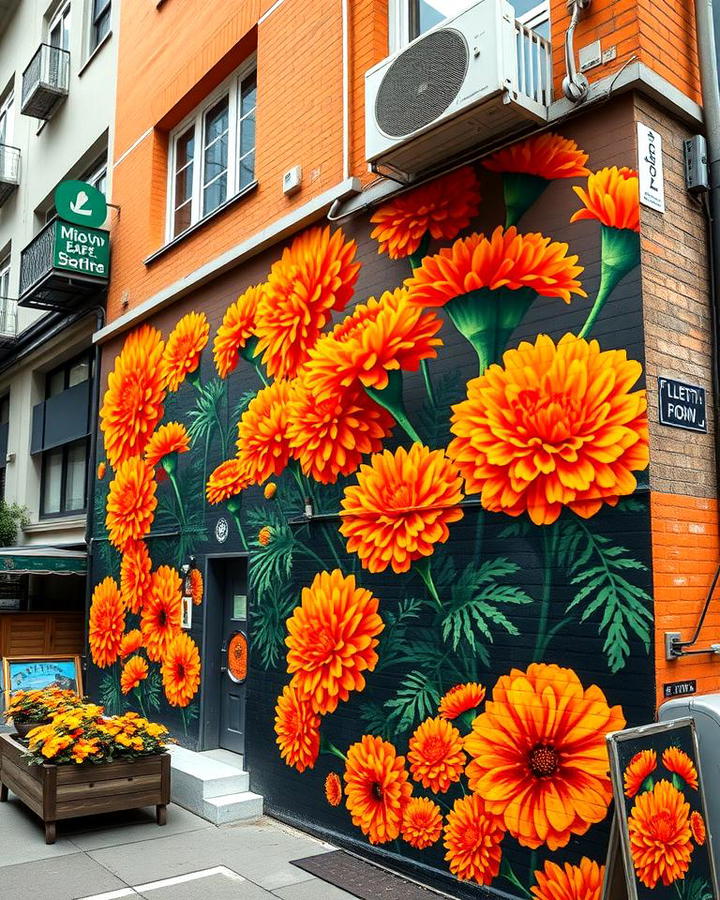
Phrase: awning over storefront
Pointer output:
(42, 561)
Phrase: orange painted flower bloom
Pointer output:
(333, 789)
(264, 536)
(101, 470)
(612, 197)
(442, 208)
(638, 769)
(298, 731)
(315, 275)
(162, 613)
(422, 823)
(391, 336)
(583, 882)
(131, 642)
(554, 426)
(236, 330)
(546, 155)
(135, 578)
(181, 670)
(435, 755)
(134, 671)
(660, 835)
(331, 640)
(460, 699)
(131, 503)
(329, 437)
(376, 788)
(170, 438)
(133, 402)
(183, 349)
(107, 623)
(506, 260)
(401, 507)
(539, 755)
(676, 760)
(270, 490)
(473, 835)
(697, 826)
(227, 480)
(196, 586)
(262, 444)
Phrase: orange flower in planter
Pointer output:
(422, 823)
(181, 670)
(461, 699)
(168, 439)
(162, 612)
(660, 835)
(435, 755)
(582, 882)
(236, 333)
(377, 789)
(83, 749)
(183, 349)
(134, 671)
(679, 763)
(135, 578)
(262, 444)
(297, 729)
(107, 623)
(131, 503)
(640, 767)
(473, 836)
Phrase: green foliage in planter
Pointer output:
(12, 517)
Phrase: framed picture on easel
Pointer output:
(29, 673)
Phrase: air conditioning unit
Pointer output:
(475, 78)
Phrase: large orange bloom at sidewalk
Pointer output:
(131, 503)
(376, 788)
(162, 613)
(134, 672)
(401, 507)
(135, 576)
(236, 330)
(169, 438)
(435, 755)
(442, 208)
(473, 835)
(106, 624)
(638, 769)
(227, 480)
(181, 670)
(553, 426)
(262, 444)
(183, 349)
(133, 402)
(331, 640)
(315, 275)
(329, 437)
(422, 823)
(660, 835)
(583, 882)
(546, 155)
(461, 699)
(539, 755)
(677, 761)
(297, 729)
(612, 197)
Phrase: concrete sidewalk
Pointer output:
(127, 855)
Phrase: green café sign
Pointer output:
(80, 203)
(84, 251)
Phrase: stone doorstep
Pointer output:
(211, 788)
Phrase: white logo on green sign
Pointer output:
(80, 203)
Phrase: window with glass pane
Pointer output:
(4, 278)
(52, 482)
(75, 474)
(64, 479)
(60, 29)
(184, 165)
(426, 14)
(5, 409)
(215, 155)
(246, 140)
(6, 120)
(100, 22)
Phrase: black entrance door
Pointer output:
(234, 656)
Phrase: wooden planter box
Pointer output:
(66, 791)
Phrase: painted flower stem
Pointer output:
(233, 507)
(422, 567)
(138, 697)
(176, 489)
(620, 254)
(520, 191)
(261, 374)
(507, 873)
(542, 636)
(425, 369)
(184, 720)
(328, 747)
(392, 400)
(415, 259)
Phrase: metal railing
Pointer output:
(534, 65)
(8, 318)
(36, 260)
(9, 164)
(45, 81)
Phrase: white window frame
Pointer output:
(97, 173)
(536, 16)
(232, 88)
(62, 15)
(6, 115)
(94, 39)
(5, 278)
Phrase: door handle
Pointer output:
(223, 657)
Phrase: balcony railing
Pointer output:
(8, 321)
(45, 82)
(9, 171)
(533, 75)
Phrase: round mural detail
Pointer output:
(237, 654)
(222, 529)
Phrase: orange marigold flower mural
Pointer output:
(107, 623)
(660, 835)
(440, 209)
(131, 503)
(546, 155)
(183, 348)
(612, 197)
(315, 275)
(472, 839)
(269, 490)
(638, 769)
(435, 755)
(196, 586)
(135, 577)
(461, 699)
(539, 755)
(181, 670)
(168, 439)
(333, 789)
(227, 480)
(331, 640)
(236, 331)
(298, 731)
(401, 507)
(131, 642)
(162, 612)
(262, 442)
(101, 470)
(134, 671)
(677, 761)
(554, 426)
(422, 823)
(133, 402)
(697, 827)
(264, 536)
(583, 882)
(376, 788)
(329, 437)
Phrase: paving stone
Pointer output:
(22, 837)
(60, 878)
(130, 826)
